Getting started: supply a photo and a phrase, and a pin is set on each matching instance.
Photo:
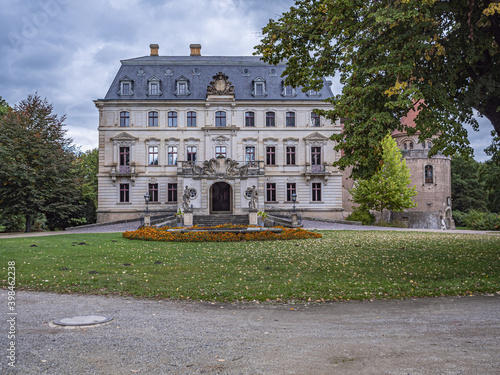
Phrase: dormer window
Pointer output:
(126, 87)
(154, 87)
(313, 93)
(259, 87)
(288, 91)
(182, 87)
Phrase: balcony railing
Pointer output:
(316, 169)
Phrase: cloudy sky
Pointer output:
(69, 51)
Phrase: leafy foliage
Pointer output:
(441, 58)
(479, 220)
(37, 175)
(86, 169)
(365, 216)
(467, 190)
(4, 107)
(388, 186)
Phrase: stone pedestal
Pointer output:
(252, 217)
(295, 220)
(188, 218)
(147, 220)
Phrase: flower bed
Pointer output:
(208, 235)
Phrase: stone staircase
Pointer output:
(214, 220)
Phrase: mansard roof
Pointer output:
(241, 71)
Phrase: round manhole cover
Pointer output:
(83, 320)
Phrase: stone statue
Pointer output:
(186, 199)
(253, 198)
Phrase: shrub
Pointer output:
(458, 217)
(14, 223)
(365, 216)
(482, 220)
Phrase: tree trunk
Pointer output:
(490, 112)
(28, 223)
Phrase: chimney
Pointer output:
(154, 49)
(195, 49)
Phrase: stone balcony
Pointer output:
(123, 171)
(317, 171)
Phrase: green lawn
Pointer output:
(341, 265)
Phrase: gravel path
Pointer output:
(424, 336)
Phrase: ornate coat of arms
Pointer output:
(220, 85)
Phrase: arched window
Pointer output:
(429, 174)
(220, 118)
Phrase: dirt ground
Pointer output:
(422, 336)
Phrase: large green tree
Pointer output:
(441, 58)
(388, 187)
(467, 189)
(37, 174)
(87, 167)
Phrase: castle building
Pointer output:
(216, 128)
(228, 133)
(430, 176)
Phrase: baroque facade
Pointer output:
(219, 129)
(226, 135)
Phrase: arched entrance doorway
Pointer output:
(221, 198)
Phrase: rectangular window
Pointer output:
(220, 151)
(316, 191)
(153, 119)
(220, 118)
(288, 91)
(290, 190)
(181, 88)
(191, 154)
(124, 193)
(172, 155)
(172, 119)
(125, 88)
(315, 119)
(124, 156)
(154, 89)
(271, 192)
(429, 178)
(153, 192)
(290, 119)
(191, 119)
(153, 155)
(271, 155)
(270, 119)
(172, 193)
(124, 119)
(316, 159)
(249, 119)
(259, 88)
(250, 155)
(290, 155)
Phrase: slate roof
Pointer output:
(199, 70)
